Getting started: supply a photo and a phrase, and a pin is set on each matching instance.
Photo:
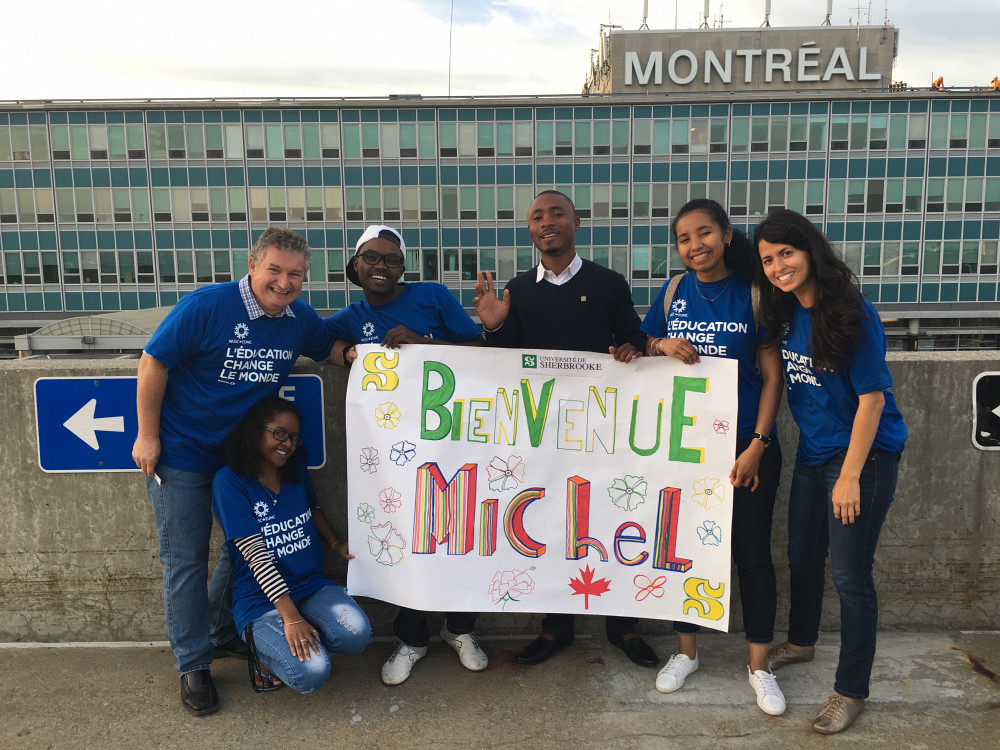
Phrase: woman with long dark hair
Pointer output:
(290, 614)
(717, 294)
(851, 434)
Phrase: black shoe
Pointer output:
(542, 648)
(198, 693)
(234, 648)
(636, 649)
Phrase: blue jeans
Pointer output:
(343, 629)
(812, 529)
(199, 616)
(751, 548)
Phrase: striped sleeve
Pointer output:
(258, 559)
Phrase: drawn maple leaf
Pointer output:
(588, 586)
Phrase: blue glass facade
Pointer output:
(124, 207)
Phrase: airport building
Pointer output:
(112, 207)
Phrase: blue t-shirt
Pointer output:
(426, 308)
(245, 507)
(720, 326)
(220, 363)
(824, 404)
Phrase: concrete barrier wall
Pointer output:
(78, 552)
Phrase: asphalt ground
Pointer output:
(929, 690)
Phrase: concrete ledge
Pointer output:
(78, 552)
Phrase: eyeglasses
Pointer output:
(371, 257)
(282, 435)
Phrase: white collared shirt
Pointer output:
(559, 279)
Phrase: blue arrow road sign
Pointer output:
(90, 424)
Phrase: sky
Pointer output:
(124, 49)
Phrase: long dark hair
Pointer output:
(241, 448)
(738, 253)
(836, 314)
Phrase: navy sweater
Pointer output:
(590, 312)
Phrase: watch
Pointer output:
(765, 439)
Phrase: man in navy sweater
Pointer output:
(565, 303)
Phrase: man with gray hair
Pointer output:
(221, 349)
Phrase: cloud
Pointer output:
(210, 48)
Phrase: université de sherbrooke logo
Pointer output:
(529, 360)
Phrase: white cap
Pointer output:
(373, 231)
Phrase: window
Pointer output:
(389, 140)
(329, 135)
(641, 139)
(916, 131)
(910, 261)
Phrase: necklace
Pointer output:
(721, 291)
(274, 497)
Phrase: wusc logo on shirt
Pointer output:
(367, 331)
(260, 509)
(241, 333)
(678, 306)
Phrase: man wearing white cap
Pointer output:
(392, 314)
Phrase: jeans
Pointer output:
(751, 548)
(812, 529)
(343, 629)
(199, 616)
(410, 625)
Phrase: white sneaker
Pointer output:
(672, 676)
(769, 696)
(469, 653)
(398, 666)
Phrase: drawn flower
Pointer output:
(387, 415)
(647, 587)
(386, 545)
(369, 460)
(509, 585)
(366, 513)
(402, 452)
(628, 492)
(505, 475)
(390, 500)
(710, 534)
(721, 426)
(709, 493)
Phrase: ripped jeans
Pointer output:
(343, 629)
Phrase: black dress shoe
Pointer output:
(542, 648)
(636, 649)
(234, 648)
(198, 693)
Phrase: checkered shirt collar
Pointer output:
(254, 310)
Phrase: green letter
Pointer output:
(631, 431)
(435, 400)
(534, 415)
(678, 420)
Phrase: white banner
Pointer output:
(541, 481)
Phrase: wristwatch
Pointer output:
(765, 439)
